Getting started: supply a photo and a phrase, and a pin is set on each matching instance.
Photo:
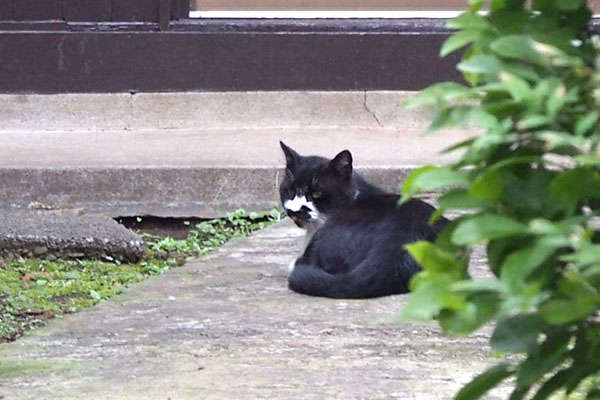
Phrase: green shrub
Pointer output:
(530, 186)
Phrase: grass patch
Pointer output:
(33, 290)
(9, 369)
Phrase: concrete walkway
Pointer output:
(226, 327)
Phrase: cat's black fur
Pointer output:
(357, 249)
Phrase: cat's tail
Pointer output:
(360, 283)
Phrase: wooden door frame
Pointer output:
(151, 46)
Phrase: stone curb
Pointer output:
(53, 235)
(165, 192)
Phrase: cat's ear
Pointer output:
(291, 157)
(342, 164)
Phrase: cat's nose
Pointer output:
(302, 214)
(294, 214)
(305, 210)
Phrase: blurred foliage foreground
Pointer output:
(530, 184)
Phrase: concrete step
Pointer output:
(141, 111)
(189, 172)
(196, 154)
(219, 147)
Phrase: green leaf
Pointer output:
(469, 20)
(557, 140)
(443, 241)
(584, 256)
(517, 334)
(573, 285)
(574, 185)
(430, 294)
(484, 119)
(504, 108)
(484, 227)
(435, 260)
(557, 100)
(475, 5)
(544, 358)
(436, 93)
(429, 178)
(533, 121)
(526, 195)
(564, 311)
(460, 199)
(448, 117)
(516, 47)
(275, 214)
(94, 295)
(586, 123)
(519, 393)
(458, 40)
(556, 382)
(479, 309)
(487, 186)
(485, 382)
(72, 275)
(464, 143)
(480, 285)
(518, 69)
(516, 160)
(588, 160)
(508, 21)
(518, 88)
(517, 266)
(498, 249)
(119, 289)
(481, 64)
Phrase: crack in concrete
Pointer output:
(131, 114)
(370, 111)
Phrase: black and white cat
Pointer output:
(357, 231)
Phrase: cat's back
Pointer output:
(384, 208)
(380, 220)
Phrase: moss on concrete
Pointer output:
(11, 369)
(33, 291)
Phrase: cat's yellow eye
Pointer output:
(316, 195)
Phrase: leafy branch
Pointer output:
(530, 186)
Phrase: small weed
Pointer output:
(33, 291)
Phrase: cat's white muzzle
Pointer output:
(302, 211)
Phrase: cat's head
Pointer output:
(313, 187)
